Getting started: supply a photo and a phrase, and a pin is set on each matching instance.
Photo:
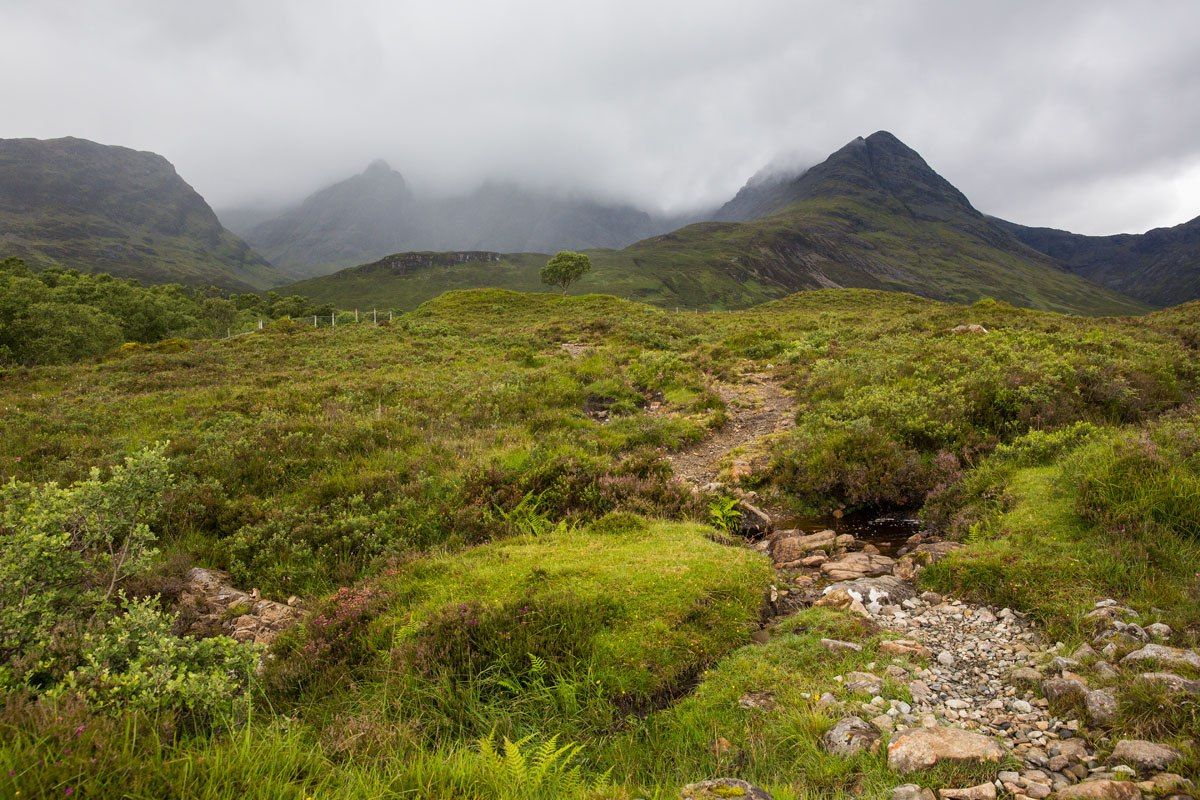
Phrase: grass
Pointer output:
(488, 556)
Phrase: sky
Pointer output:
(1078, 115)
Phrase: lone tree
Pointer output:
(565, 268)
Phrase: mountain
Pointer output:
(374, 214)
(98, 208)
(1161, 267)
(873, 215)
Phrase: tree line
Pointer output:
(56, 316)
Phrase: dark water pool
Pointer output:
(887, 531)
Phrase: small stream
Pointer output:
(888, 531)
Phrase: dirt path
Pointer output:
(757, 406)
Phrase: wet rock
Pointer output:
(875, 592)
(723, 789)
(754, 522)
(1101, 790)
(851, 736)
(1145, 757)
(1162, 654)
(790, 547)
(858, 565)
(921, 748)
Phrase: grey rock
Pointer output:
(851, 736)
(723, 789)
(1143, 756)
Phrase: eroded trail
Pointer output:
(757, 406)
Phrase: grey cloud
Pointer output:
(1074, 114)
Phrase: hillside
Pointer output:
(873, 215)
(98, 208)
(1160, 267)
(463, 555)
(375, 214)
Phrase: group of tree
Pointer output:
(57, 316)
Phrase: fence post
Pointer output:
(333, 320)
(356, 315)
(374, 316)
(389, 315)
(314, 320)
(260, 324)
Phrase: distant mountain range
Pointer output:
(375, 214)
(872, 215)
(97, 208)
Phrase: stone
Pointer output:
(1058, 690)
(969, 328)
(1101, 707)
(851, 736)
(1162, 654)
(754, 523)
(922, 748)
(945, 658)
(1101, 790)
(911, 791)
(863, 682)
(858, 565)
(1172, 682)
(984, 791)
(1025, 675)
(904, 647)
(875, 592)
(1159, 630)
(1167, 783)
(723, 789)
(792, 546)
(1145, 757)
(760, 700)
(838, 646)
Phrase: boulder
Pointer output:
(790, 546)
(1101, 790)
(858, 565)
(1162, 654)
(842, 600)
(851, 736)
(969, 328)
(874, 593)
(1167, 783)
(754, 522)
(922, 748)
(1145, 757)
(723, 789)
(838, 646)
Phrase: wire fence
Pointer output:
(332, 320)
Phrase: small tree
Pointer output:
(565, 268)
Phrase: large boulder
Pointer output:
(858, 565)
(1145, 757)
(1167, 656)
(851, 736)
(874, 593)
(1101, 707)
(922, 748)
(789, 548)
(723, 789)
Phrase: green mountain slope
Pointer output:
(873, 215)
(97, 208)
(1160, 267)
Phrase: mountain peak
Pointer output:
(378, 167)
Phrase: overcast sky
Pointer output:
(1081, 115)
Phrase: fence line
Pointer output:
(373, 317)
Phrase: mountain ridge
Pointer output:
(75, 203)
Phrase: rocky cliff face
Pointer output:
(97, 208)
